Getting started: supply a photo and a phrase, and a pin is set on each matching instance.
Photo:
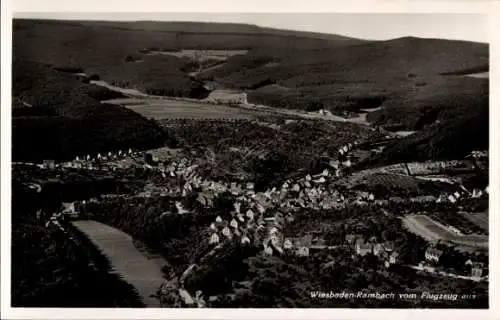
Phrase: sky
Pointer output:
(373, 26)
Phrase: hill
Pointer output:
(65, 117)
(118, 51)
(443, 99)
(281, 68)
(416, 82)
(453, 138)
(350, 77)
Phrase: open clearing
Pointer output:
(433, 231)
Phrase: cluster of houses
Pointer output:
(90, 162)
(433, 256)
(384, 251)
(460, 195)
(248, 224)
(478, 154)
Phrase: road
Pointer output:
(126, 260)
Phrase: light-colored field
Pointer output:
(433, 231)
(404, 133)
(227, 96)
(201, 55)
(479, 75)
(174, 109)
(126, 260)
(479, 219)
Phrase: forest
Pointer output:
(59, 268)
(453, 138)
(66, 117)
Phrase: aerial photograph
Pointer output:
(264, 160)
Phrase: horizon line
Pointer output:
(347, 37)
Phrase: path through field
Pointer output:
(126, 260)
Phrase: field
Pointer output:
(390, 184)
(144, 274)
(177, 109)
(434, 231)
(479, 219)
(201, 55)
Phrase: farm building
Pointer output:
(69, 209)
(433, 254)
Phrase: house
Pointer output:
(334, 164)
(250, 214)
(245, 240)
(347, 163)
(268, 251)
(214, 238)
(455, 230)
(378, 249)
(302, 251)
(226, 232)
(363, 248)
(476, 193)
(276, 240)
(476, 270)
(48, 164)
(452, 199)
(388, 247)
(69, 209)
(240, 217)
(273, 230)
(212, 226)
(237, 207)
(393, 258)
(433, 254)
(320, 180)
(234, 224)
(350, 238)
(325, 173)
(180, 208)
(287, 244)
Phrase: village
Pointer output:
(260, 218)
